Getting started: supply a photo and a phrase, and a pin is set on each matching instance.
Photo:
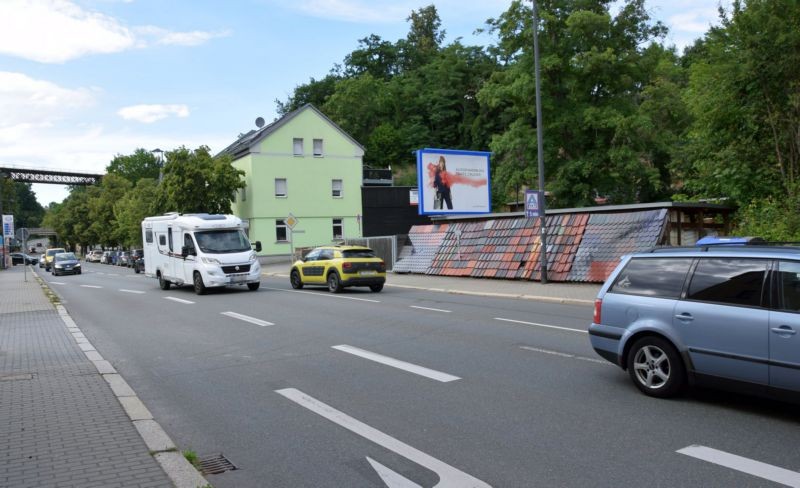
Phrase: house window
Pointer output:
(298, 146)
(317, 147)
(244, 193)
(280, 231)
(336, 187)
(280, 187)
(338, 229)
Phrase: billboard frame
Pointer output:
(421, 180)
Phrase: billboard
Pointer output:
(453, 182)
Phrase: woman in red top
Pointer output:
(442, 184)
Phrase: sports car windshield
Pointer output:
(222, 241)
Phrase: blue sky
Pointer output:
(83, 80)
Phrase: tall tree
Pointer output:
(194, 181)
(141, 201)
(133, 167)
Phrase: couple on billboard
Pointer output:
(441, 181)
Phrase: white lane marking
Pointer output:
(179, 300)
(396, 363)
(90, 286)
(743, 464)
(564, 355)
(57, 283)
(252, 320)
(138, 292)
(542, 325)
(431, 309)
(449, 477)
(323, 295)
(391, 478)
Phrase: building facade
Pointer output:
(305, 166)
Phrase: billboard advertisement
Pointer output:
(453, 182)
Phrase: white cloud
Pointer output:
(28, 103)
(148, 114)
(56, 31)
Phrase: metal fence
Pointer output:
(385, 247)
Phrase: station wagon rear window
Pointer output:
(661, 278)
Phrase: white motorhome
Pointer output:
(201, 250)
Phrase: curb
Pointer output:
(538, 298)
(178, 469)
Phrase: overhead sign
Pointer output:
(8, 226)
(533, 203)
(453, 182)
(291, 221)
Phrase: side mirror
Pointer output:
(185, 251)
(258, 246)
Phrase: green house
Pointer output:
(302, 165)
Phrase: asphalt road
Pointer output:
(464, 391)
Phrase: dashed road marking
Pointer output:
(743, 464)
(396, 363)
(179, 300)
(324, 295)
(246, 318)
(90, 286)
(57, 283)
(564, 355)
(542, 325)
(431, 309)
(138, 292)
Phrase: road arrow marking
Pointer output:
(449, 477)
(391, 478)
(743, 464)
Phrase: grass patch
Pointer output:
(191, 456)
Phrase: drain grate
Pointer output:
(215, 464)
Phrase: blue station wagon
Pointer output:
(721, 316)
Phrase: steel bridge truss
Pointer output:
(54, 177)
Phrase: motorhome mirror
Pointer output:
(185, 251)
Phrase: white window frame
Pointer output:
(297, 146)
(320, 153)
(281, 224)
(341, 188)
(244, 193)
(285, 188)
(341, 227)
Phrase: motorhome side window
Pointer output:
(189, 243)
(148, 236)
(661, 278)
(162, 240)
(169, 238)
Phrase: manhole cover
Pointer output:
(215, 464)
(17, 376)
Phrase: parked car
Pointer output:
(94, 256)
(136, 255)
(123, 258)
(724, 316)
(22, 258)
(66, 263)
(42, 260)
(338, 267)
(50, 254)
(106, 257)
(138, 265)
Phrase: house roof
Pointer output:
(242, 146)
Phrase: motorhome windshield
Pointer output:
(222, 241)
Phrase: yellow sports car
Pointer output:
(339, 266)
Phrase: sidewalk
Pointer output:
(568, 293)
(62, 419)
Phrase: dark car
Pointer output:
(136, 255)
(66, 263)
(22, 258)
(138, 265)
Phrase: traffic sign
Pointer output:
(291, 221)
(533, 203)
(8, 226)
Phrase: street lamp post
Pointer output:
(2, 231)
(159, 154)
(539, 148)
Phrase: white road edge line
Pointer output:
(90, 286)
(431, 309)
(138, 292)
(743, 464)
(448, 475)
(252, 320)
(396, 363)
(564, 355)
(179, 300)
(323, 295)
(542, 325)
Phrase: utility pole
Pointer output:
(539, 149)
(2, 231)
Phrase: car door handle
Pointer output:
(684, 316)
(784, 329)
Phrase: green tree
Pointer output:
(195, 182)
(133, 167)
(103, 225)
(141, 201)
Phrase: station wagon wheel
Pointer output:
(334, 283)
(294, 278)
(656, 368)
